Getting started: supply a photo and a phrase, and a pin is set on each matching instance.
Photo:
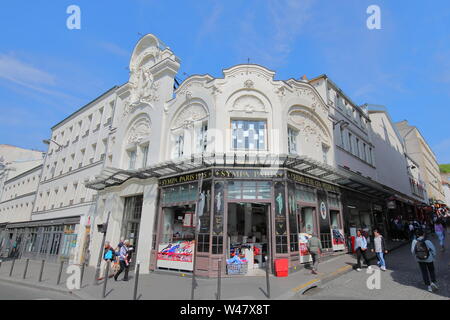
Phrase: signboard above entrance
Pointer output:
(191, 177)
(248, 173)
(312, 182)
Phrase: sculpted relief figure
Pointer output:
(143, 90)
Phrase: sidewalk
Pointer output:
(165, 286)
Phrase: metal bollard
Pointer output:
(219, 278)
(60, 272)
(267, 279)
(12, 267)
(26, 268)
(106, 278)
(82, 274)
(1, 263)
(42, 270)
(136, 281)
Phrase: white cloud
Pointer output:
(114, 49)
(286, 21)
(12, 69)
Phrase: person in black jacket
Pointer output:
(379, 246)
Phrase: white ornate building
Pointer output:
(212, 165)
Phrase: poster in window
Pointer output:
(338, 239)
(187, 221)
(178, 255)
(303, 247)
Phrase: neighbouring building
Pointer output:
(445, 178)
(196, 172)
(418, 149)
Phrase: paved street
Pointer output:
(402, 280)
(336, 280)
(11, 291)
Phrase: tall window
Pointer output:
(342, 138)
(364, 152)
(350, 142)
(144, 156)
(179, 145)
(325, 150)
(202, 138)
(248, 135)
(357, 148)
(292, 140)
(132, 155)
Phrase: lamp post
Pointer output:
(47, 142)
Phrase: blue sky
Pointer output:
(48, 71)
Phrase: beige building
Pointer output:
(419, 150)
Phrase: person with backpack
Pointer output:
(379, 246)
(424, 252)
(361, 250)
(124, 264)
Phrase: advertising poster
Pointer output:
(338, 240)
(177, 255)
(302, 245)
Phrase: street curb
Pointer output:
(41, 287)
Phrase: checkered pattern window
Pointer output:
(248, 135)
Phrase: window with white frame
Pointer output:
(325, 150)
(144, 150)
(132, 158)
(179, 146)
(342, 137)
(248, 134)
(202, 138)
(292, 141)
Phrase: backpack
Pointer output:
(108, 255)
(421, 250)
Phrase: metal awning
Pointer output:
(307, 166)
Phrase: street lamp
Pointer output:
(47, 141)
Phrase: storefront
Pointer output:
(245, 218)
(51, 240)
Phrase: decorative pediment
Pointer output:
(309, 126)
(189, 115)
(248, 104)
(139, 131)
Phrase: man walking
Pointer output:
(380, 249)
(425, 253)
(361, 250)
(123, 261)
(315, 250)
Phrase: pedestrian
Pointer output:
(361, 250)
(315, 250)
(124, 265)
(109, 254)
(411, 231)
(439, 229)
(379, 246)
(425, 253)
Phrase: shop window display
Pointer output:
(176, 248)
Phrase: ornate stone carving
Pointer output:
(309, 127)
(248, 104)
(139, 130)
(143, 90)
(189, 115)
(249, 84)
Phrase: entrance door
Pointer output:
(248, 234)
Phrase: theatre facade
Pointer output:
(214, 168)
